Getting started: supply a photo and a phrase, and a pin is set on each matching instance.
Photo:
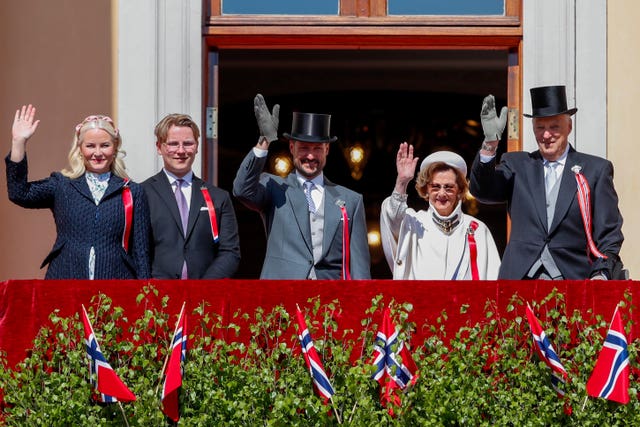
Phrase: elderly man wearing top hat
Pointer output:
(315, 228)
(565, 221)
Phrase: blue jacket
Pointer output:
(81, 224)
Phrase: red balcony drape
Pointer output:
(25, 305)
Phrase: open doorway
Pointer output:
(377, 99)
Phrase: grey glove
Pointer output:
(267, 122)
(492, 125)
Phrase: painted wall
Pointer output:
(57, 56)
(623, 63)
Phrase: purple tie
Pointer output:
(184, 217)
(182, 205)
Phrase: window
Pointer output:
(280, 7)
(446, 7)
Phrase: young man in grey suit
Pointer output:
(304, 213)
(193, 224)
(556, 231)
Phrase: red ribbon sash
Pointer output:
(473, 250)
(345, 244)
(212, 214)
(584, 201)
(127, 201)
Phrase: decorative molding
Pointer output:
(565, 43)
(591, 77)
(159, 72)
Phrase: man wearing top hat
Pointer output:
(304, 213)
(552, 196)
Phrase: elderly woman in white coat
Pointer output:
(441, 242)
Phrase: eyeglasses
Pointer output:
(173, 146)
(449, 189)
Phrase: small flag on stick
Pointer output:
(393, 369)
(320, 379)
(546, 352)
(610, 377)
(174, 369)
(104, 379)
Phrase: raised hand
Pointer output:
(406, 167)
(24, 125)
(267, 122)
(492, 124)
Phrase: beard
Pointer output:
(308, 168)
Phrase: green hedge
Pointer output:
(486, 374)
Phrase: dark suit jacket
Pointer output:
(169, 247)
(519, 180)
(81, 224)
(284, 210)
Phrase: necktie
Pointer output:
(550, 178)
(183, 208)
(308, 186)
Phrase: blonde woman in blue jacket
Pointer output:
(102, 218)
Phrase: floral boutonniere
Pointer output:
(343, 209)
(576, 169)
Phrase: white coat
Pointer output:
(418, 249)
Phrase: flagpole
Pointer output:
(353, 411)
(335, 411)
(124, 416)
(585, 402)
(166, 358)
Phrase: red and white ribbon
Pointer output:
(345, 243)
(212, 214)
(127, 201)
(584, 201)
(473, 250)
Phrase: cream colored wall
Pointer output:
(57, 56)
(623, 75)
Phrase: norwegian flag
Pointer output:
(546, 352)
(103, 378)
(393, 369)
(174, 369)
(320, 380)
(610, 377)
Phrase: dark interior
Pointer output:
(377, 99)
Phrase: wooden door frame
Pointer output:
(363, 24)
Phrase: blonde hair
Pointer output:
(425, 176)
(179, 120)
(76, 166)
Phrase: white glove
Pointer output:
(492, 125)
(267, 122)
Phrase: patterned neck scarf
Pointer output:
(447, 224)
(98, 184)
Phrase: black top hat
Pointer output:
(310, 127)
(549, 101)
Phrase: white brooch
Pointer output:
(342, 205)
(576, 169)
